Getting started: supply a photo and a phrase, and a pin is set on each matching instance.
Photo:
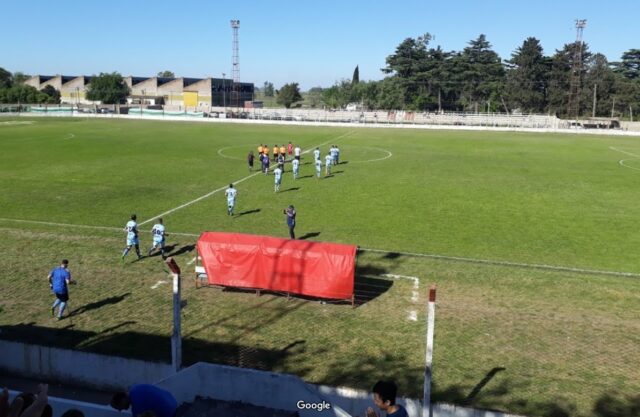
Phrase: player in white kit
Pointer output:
(295, 164)
(277, 174)
(231, 199)
(158, 233)
(132, 237)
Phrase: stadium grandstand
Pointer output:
(190, 93)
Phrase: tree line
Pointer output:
(13, 90)
(421, 77)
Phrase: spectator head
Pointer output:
(47, 412)
(384, 394)
(120, 401)
(74, 412)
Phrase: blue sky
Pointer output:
(314, 43)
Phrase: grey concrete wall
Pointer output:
(226, 383)
(265, 389)
(283, 391)
(98, 371)
(631, 126)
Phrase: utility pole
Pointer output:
(613, 105)
(595, 91)
(224, 94)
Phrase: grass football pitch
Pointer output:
(525, 235)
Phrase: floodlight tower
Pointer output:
(235, 25)
(576, 70)
(235, 71)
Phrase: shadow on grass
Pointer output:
(244, 213)
(96, 305)
(496, 390)
(157, 252)
(183, 249)
(309, 235)
(153, 347)
(290, 189)
(305, 176)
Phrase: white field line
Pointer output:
(224, 187)
(198, 199)
(70, 136)
(622, 161)
(192, 261)
(82, 226)
(389, 155)
(157, 284)
(412, 315)
(624, 152)
(507, 263)
(421, 255)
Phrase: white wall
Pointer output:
(98, 371)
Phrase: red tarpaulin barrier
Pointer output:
(317, 269)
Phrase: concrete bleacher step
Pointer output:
(202, 407)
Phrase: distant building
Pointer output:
(191, 93)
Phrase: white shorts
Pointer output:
(132, 241)
(158, 243)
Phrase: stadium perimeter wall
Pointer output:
(578, 131)
(218, 382)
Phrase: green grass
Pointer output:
(521, 339)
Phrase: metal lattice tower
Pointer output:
(235, 25)
(576, 71)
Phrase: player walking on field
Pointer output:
(231, 193)
(59, 278)
(316, 154)
(296, 152)
(295, 164)
(158, 233)
(277, 173)
(250, 160)
(132, 237)
(318, 168)
(290, 148)
(328, 160)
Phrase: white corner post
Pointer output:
(431, 321)
(176, 336)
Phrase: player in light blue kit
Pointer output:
(328, 160)
(316, 154)
(337, 151)
(231, 199)
(318, 168)
(132, 237)
(158, 233)
(334, 154)
(277, 175)
(295, 164)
